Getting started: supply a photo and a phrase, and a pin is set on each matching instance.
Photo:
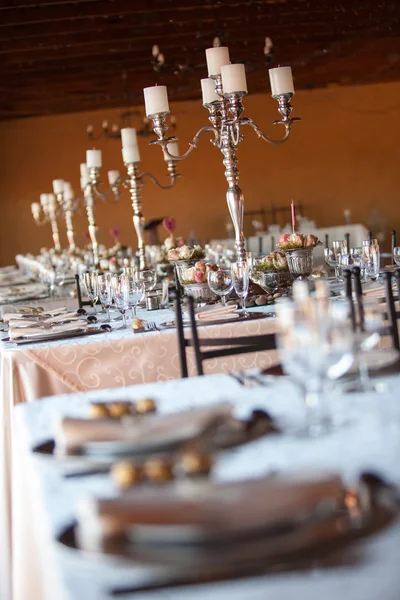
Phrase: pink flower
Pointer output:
(173, 254)
(169, 224)
(279, 261)
(200, 266)
(310, 241)
(284, 242)
(114, 232)
(199, 277)
(296, 240)
(267, 262)
(113, 260)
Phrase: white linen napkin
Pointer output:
(26, 322)
(28, 311)
(38, 331)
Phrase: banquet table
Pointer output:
(45, 502)
(116, 359)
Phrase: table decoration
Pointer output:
(272, 274)
(223, 93)
(48, 205)
(298, 249)
(65, 198)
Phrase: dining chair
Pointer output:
(81, 302)
(210, 348)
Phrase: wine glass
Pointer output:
(371, 257)
(221, 283)
(148, 277)
(339, 247)
(316, 346)
(396, 255)
(135, 291)
(90, 284)
(240, 276)
(331, 259)
(103, 286)
(120, 295)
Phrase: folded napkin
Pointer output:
(37, 320)
(174, 428)
(40, 331)
(29, 311)
(215, 511)
(217, 312)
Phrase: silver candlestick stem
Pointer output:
(50, 216)
(88, 194)
(54, 227)
(68, 210)
(226, 119)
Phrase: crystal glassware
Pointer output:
(104, 293)
(240, 275)
(148, 277)
(135, 291)
(120, 295)
(339, 247)
(221, 283)
(331, 259)
(371, 258)
(89, 280)
(396, 255)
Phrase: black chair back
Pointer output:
(211, 348)
(81, 302)
(392, 314)
(393, 244)
(347, 238)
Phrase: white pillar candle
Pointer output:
(128, 136)
(93, 158)
(156, 99)
(84, 170)
(208, 91)
(173, 148)
(43, 199)
(51, 200)
(68, 191)
(35, 207)
(58, 186)
(113, 176)
(281, 81)
(84, 181)
(216, 58)
(130, 154)
(233, 78)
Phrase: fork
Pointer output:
(151, 326)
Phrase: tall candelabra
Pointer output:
(133, 181)
(65, 199)
(48, 205)
(223, 93)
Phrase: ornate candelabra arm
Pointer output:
(89, 204)
(104, 196)
(172, 173)
(138, 219)
(40, 223)
(54, 229)
(285, 109)
(68, 222)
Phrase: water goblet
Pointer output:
(240, 276)
(371, 257)
(120, 295)
(148, 277)
(221, 283)
(103, 286)
(89, 280)
(136, 293)
(396, 255)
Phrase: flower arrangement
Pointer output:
(185, 253)
(294, 241)
(275, 262)
(197, 274)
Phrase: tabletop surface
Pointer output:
(368, 438)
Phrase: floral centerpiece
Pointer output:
(271, 273)
(299, 252)
(196, 274)
(186, 253)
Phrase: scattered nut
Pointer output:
(125, 474)
(194, 462)
(119, 409)
(98, 410)
(158, 470)
(145, 406)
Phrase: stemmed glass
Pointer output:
(371, 257)
(240, 275)
(90, 282)
(316, 345)
(221, 283)
(104, 293)
(148, 277)
(136, 291)
(339, 247)
(396, 255)
(331, 259)
(120, 295)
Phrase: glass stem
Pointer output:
(134, 311)
(223, 300)
(244, 305)
(364, 375)
(108, 313)
(124, 320)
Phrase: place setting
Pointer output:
(199, 301)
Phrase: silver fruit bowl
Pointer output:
(300, 262)
(200, 292)
(271, 281)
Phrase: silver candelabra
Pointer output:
(133, 181)
(65, 199)
(224, 101)
(49, 206)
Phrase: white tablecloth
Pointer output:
(45, 502)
